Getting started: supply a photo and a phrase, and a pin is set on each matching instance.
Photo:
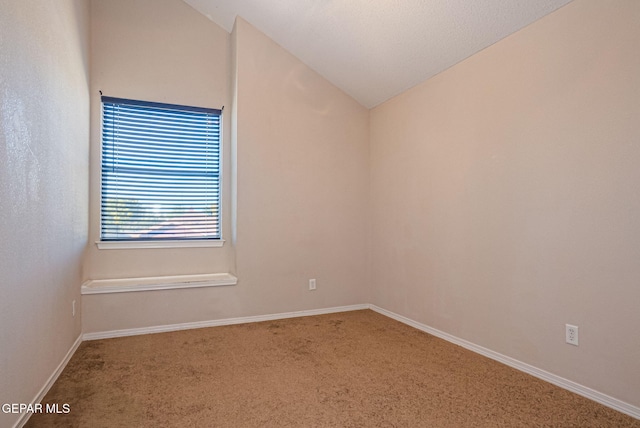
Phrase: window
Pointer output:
(160, 172)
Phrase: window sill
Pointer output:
(129, 245)
(107, 286)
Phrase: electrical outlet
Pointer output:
(73, 308)
(312, 284)
(571, 333)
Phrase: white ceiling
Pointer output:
(376, 49)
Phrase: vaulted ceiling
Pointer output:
(376, 49)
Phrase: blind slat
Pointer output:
(160, 171)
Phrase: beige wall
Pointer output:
(162, 51)
(505, 197)
(44, 129)
(299, 172)
(497, 201)
(302, 183)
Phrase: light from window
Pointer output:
(160, 171)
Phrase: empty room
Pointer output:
(319, 213)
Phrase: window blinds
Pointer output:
(160, 171)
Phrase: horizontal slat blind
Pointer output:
(160, 171)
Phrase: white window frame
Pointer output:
(163, 242)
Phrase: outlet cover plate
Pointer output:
(571, 334)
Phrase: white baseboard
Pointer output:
(216, 323)
(589, 393)
(24, 417)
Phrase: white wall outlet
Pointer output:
(312, 284)
(73, 308)
(571, 333)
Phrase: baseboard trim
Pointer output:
(569, 385)
(216, 323)
(24, 417)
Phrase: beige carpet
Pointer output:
(352, 369)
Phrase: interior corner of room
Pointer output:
(493, 205)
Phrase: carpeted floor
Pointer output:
(352, 369)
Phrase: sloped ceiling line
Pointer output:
(376, 49)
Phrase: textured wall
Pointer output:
(505, 197)
(44, 131)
